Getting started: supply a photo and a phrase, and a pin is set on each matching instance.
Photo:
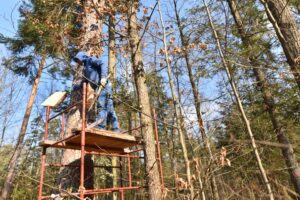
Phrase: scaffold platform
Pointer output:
(91, 141)
(97, 140)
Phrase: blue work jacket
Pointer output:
(94, 70)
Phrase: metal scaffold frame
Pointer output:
(85, 151)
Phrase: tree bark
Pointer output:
(287, 31)
(91, 31)
(12, 167)
(240, 106)
(153, 179)
(90, 42)
(112, 57)
(112, 68)
(262, 84)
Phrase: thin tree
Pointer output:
(176, 108)
(153, 179)
(240, 106)
(197, 100)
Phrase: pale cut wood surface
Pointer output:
(55, 99)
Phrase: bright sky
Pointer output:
(9, 16)
(8, 20)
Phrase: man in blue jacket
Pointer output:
(95, 73)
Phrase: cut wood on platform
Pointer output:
(96, 140)
(55, 99)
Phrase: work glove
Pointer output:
(103, 81)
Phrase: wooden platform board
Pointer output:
(96, 140)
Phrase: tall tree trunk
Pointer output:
(12, 167)
(90, 38)
(177, 114)
(153, 179)
(197, 100)
(112, 56)
(262, 84)
(287, 31)
(112, 68)
(240, 106)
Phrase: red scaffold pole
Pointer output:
(43, 160)
(81, 188)
(43, 157)
(122, 194)
(129, 172)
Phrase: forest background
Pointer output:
(223, 77)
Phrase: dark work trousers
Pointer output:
(106, 109)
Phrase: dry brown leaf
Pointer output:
(203, 46)
(145, 11)
(161, 51)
